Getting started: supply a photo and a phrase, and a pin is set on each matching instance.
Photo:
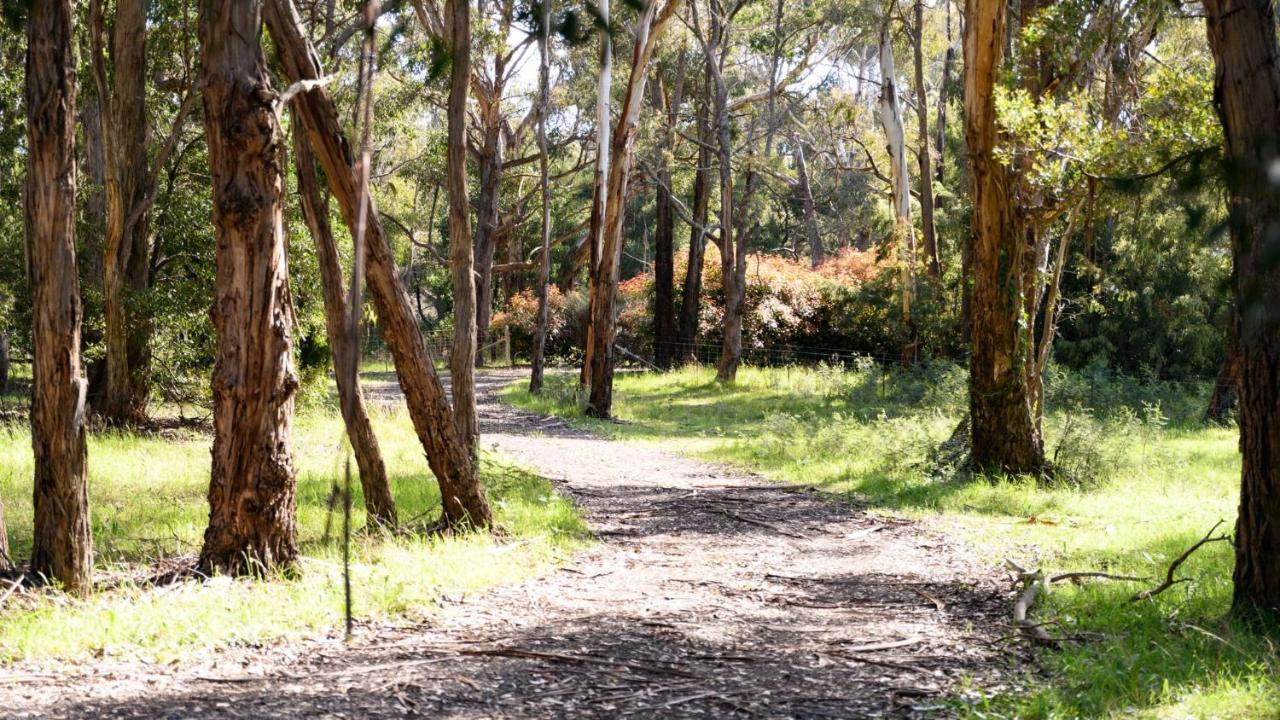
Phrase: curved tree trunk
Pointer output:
(62, 544)
(1242, 37)
(378, 500)
(464, 501)
(1005, 435)
(252, 502)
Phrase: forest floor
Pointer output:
(711, 593)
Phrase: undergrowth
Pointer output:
(1139, 480)
(148, 512)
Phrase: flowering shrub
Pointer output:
(849, 304)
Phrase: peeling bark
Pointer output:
(62, 543)
(252, 489)
(1005, 435)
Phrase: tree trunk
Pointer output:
(489, 164)
(599, 189)
(62, 544)
(1225, 388)
(6, 560)
(252, 502)
(816, 254)
(928, 232)
(544, 180)
(464, 501)
(948, 61)
(378, 500)
(1005, 436)
(4, 363)
(461, 259)
(691, 293)
(124, 131)
(664, 307)
(604, 295)
(1242, 37)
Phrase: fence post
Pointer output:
(506, 345)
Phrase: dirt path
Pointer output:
(710, 594)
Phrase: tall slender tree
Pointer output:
(62, 544)
(544, 181)
(457, 15)
(252, 500)
(1242, 37)
(378, 500)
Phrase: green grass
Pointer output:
(147, 502)
(1147, 482)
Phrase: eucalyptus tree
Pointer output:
(715, 33)
(252, 487)
(647, 29)
(544, 183)
(442, 438)
(1242, 37)
(62, 543)
(131, 180)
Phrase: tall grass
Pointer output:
(148, 509)
(1141, 480)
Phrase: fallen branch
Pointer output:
(1169, 580)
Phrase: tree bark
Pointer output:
(1005, 437)
(816, 253)
(252, 501)
(124, 131)
(62, 544)
(463, 498)
(461, 259)
(928, 232)
(544, 180)
(489, 164)
(1226, 387)
(733, 251)
(648, 28)
(948, 61)
(4, 363)
(691, 293)
(664, 307)
(599, 190)
(1242, 38)
(378, 500)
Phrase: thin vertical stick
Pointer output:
(346, 546)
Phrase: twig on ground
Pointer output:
(13, 587)
(1169, 580)
(890, 645)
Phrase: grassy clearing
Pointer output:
(1149, 480)
(147, 499)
